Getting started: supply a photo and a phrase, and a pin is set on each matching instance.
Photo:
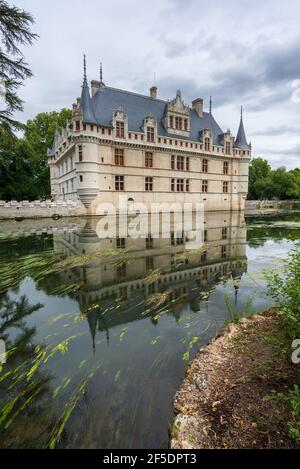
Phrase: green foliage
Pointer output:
(24, 171)
(15, 31)
(284, 288)
(292, 401)
(265, 183)
(39, 134)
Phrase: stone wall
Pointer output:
(40, 209)
(269, 205)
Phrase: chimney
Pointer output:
(95, 86)
(153, 92)
(198, 106)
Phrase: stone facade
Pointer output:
(148, 149)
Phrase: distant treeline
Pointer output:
(268, 183)
(24, 171)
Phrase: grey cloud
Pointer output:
(279, 130)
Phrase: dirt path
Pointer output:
(220, 403)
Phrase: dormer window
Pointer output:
(178, 123)
(207, 144)
(150, 134)
(176, 119)
(227, 148)
(120, 129)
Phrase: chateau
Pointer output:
(151, 150)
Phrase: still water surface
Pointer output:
(133, 313)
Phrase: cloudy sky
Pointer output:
(239, 51)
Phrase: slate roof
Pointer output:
(99, 111)
(241, 140)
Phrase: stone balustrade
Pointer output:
(40, 209)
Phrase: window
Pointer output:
(207, 144)
(225, 186)
(171, 121)
(92, 128)
(223, 251)
(120, 130)
(187, 163)
(77, 124)
(80, 152)
(205, 236)
(180, 185)
(172, 185)
(225, 167)
(119, 183)
(204, 186)
(178, 123)
(180, 163)
(187, 185)
(84, 126)
(150, 134)
(224, 233)
(186, 125)
(103, 131)
(204, 257)
(204, 166)
(148, 184)
(149, 159)
(121, 242)
(173, 162)
(81, 178)
(149, 242)
(119, 157)
(227, 148)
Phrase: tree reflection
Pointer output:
(25, 416)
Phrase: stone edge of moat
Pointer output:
(196, 403)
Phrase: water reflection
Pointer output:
(136, 309)
(180, 276)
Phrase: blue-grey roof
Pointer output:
(241, 140)
(86, 104)
(99, 110)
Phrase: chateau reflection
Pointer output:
(151, 274)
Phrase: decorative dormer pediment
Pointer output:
(227, 140)
(205, 133)
(149, 128)
(205, 136)
(150, 120)
(177, 105)
(177, 117)
(119, 114)
(120, 123)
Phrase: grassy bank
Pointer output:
(243, 389)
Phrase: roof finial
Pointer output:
(241, 112)
(84, 68)
(210, 104)
(101, 73)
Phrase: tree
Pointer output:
(259, 171)
(272, 184)
(16, 168)
(24, 171)
(15, 31)
(39, 134)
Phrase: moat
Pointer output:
(99, 332)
